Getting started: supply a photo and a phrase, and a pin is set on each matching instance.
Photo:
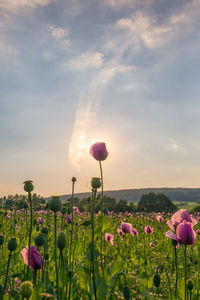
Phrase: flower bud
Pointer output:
(96, 183)
(61, 242)
(40, 240)
(126, 292)
(55, 204)
(156, 280)
(28, 186)
(12, 244)
(26, 289)
(2, 237)
(190, 284)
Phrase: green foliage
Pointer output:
(156, 202)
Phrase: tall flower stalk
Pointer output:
(96, 183)
(100, 153)
(28, 187)
(55, 206)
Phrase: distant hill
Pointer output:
(175, 194)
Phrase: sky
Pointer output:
(123, 72)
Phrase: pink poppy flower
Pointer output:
(126, 227)
(148, 229)
(159, 218)
(99, 151)
(120, 232)
(185, 234)
(179, 217)
(134, 232)
(110, 238)
(151, 244)
(35, 261)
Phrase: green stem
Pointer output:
(185, 271)
(8, 265)
(30, 232)
(55, 242)
(94, 192)
(176, 264)
(102, 207)
(72, 225)
(169, 285)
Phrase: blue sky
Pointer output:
(125, 72)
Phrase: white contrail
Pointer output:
(88, 107)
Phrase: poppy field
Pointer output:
(58, 252)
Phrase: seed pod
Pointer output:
(40, 240)
(12, 244)
(55, 204)
(28, 186)
(96, 183)
(61, 242)
(85, 223)
(46, 256)
(190, 284)
(156, 280)
(26, 289)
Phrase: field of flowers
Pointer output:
(59, 253)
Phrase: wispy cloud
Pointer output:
(15, 5)
(86, 61)
(60, 34)
(87, 110)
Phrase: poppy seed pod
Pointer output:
(96, 183)
(40, 240)
(126, 292)
(2, 237)
(73, 179)
(28, 186)
(156, 280)
(61, 242)
(55, 204)
(12, 244)
(46, 256)
(190, 284)
(26, 289)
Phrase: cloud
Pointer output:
(143, 28)
(128, 3)
(86, 61)
(87, 110)
(14, 5)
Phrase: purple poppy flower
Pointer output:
(99, 151)
(148, 229)
(179, 217)
(68, 219)
(35, 261)
(120, 232)
(126, 227)
(159, 218)
(151, 244)
(185, 234)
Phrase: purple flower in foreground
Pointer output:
(36, 260)
(185, 234)
(99, 151)
(148, 229)
(179, 217)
